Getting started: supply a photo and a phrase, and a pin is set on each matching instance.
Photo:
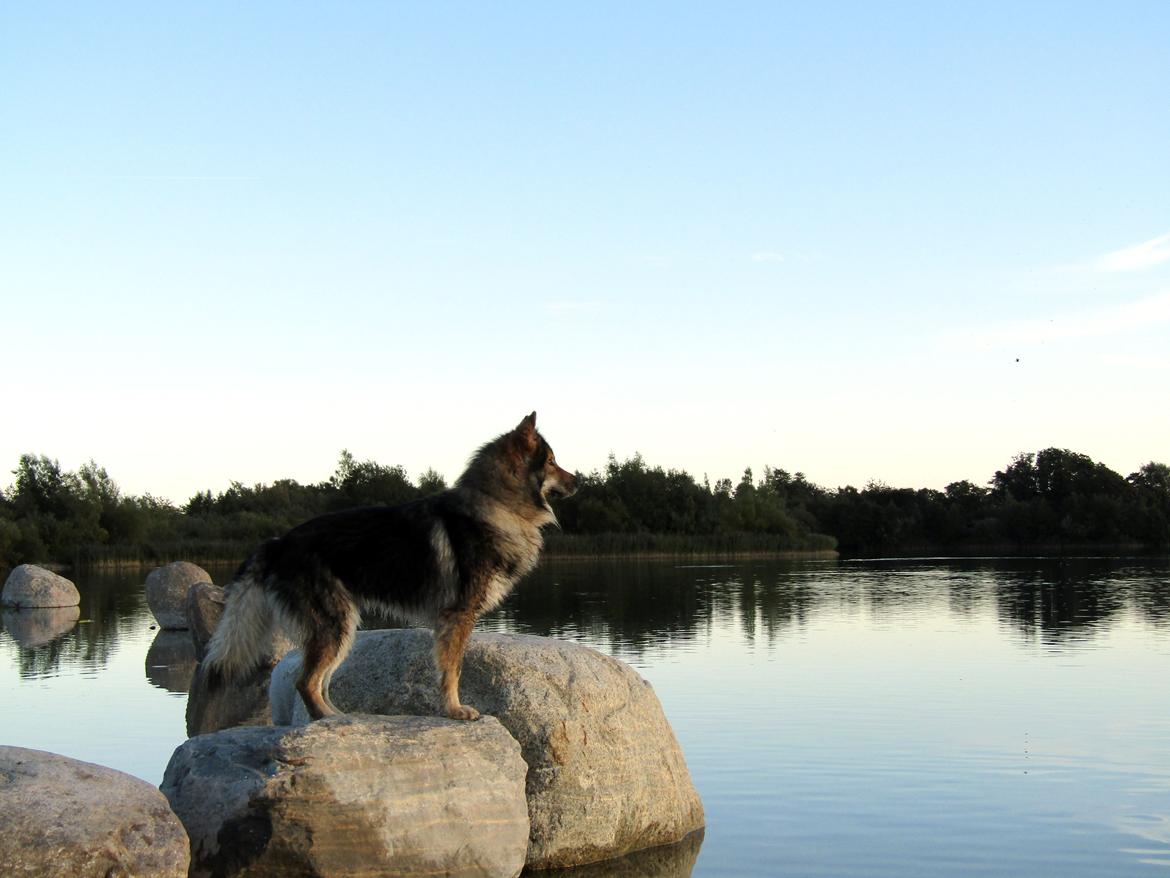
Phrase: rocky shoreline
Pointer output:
(574, 763)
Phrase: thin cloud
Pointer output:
(767, 256)
(1090, 323)
(1138, 257)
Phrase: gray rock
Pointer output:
(606, 774)
(59, 816)
(31, 586)
(170, 661)
(204, 608)
(37, 626)
(353, 795)
(166, 592)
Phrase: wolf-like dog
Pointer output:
(443, 560)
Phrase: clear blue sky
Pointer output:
(900, 242)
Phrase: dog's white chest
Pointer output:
(498, 588)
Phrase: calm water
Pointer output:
(901, 718)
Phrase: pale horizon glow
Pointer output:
(859, 242)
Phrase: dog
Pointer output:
(442, 560)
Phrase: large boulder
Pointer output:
(606, 774)
(40, 625)
(353, 796)
(59, 816)
(166, 592)
(31, 586)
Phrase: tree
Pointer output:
(370, 484)
(431, 482)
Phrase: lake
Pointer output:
(885, 717)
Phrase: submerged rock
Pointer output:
(31, 586)
(606, 774)
(353, 795)
(60, 816)
(37, 626)
(166, 592)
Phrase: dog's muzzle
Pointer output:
(563, 485)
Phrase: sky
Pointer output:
(899, 242)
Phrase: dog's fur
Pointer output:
(443, 560)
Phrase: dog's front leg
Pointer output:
(451, 633)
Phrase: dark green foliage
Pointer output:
(1052, 499)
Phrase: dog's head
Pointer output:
(544, 476)
(519, 470)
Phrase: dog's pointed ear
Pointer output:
(526, 432)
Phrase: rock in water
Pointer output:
(166, 592)
(31, 586)
(353, 795)
(606, 774)
(204, 608)
(59, 816)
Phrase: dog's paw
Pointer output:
(463, 712)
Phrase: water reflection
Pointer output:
(39, 626)
(629, 606)
(668, 861)
(170, 661)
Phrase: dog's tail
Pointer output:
(244, 635)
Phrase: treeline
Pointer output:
(1052, 499)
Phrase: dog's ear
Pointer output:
(526, 432)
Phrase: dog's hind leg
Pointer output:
(451, 634)
(325, 648)
(346, 643)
